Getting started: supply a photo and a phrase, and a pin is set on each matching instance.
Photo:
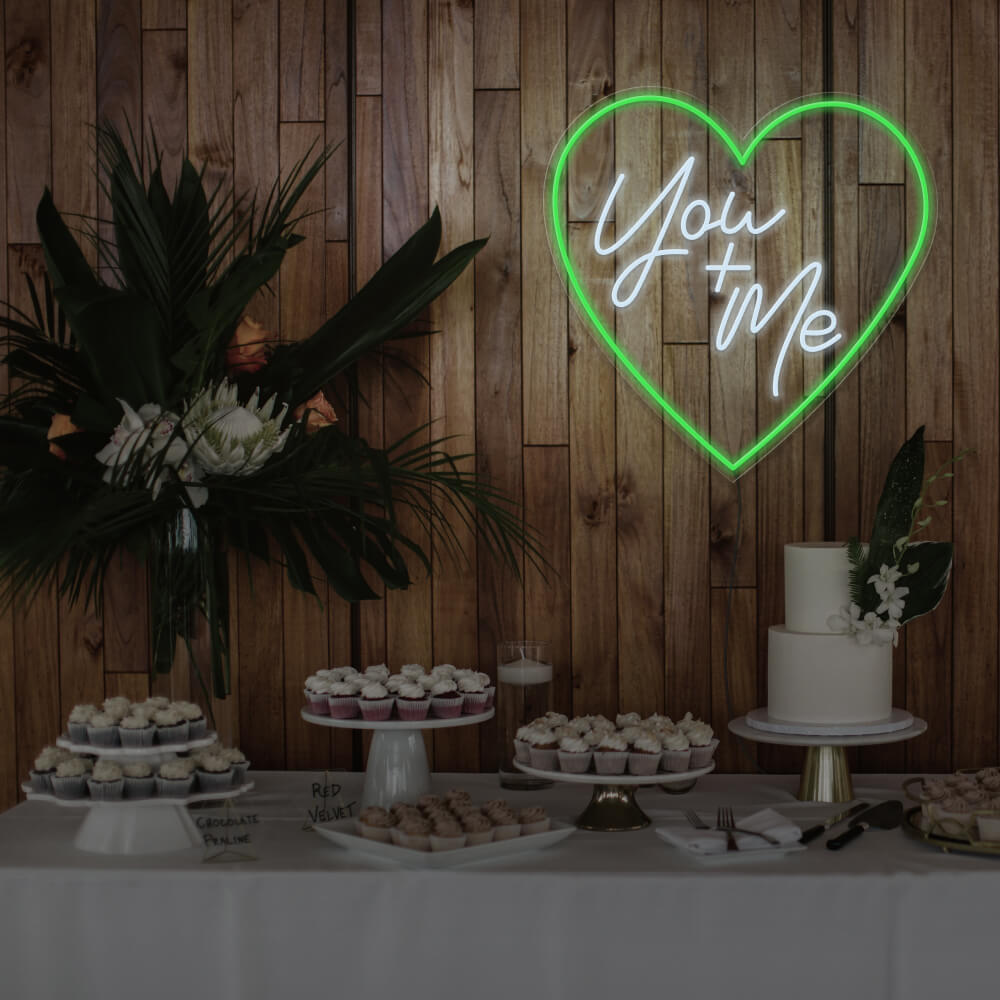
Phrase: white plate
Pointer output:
(897, 720)
(117, 753)
(740, 727)
(592, 778)
(344, 833)
(726, 857)
(397, 725)
(150, 800)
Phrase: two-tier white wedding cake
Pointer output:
(816, 676)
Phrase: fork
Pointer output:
(725, 820)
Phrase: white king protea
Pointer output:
(233, 439)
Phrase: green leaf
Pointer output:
(64, 260)
(895, 507)
(928, 584)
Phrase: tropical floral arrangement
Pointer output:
(150, 412)
(895, 578)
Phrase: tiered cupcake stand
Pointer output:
(826, 776)
(397, 762)
(138, 826)
(612, 806)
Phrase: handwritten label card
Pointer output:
(328, 804)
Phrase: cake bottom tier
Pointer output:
(826, 678)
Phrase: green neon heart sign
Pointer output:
(735, 465)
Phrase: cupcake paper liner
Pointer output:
(574, 763)
(106, 736)
(491, 695)
(173, 734)
(106, 791)
(446, 708)
(74, 787)
(676, 761)
(522, 751)
(343, 706)
(439, 843)
(41, 781)
(413, 710)
(702, 756)
(138, 737)
(507, 832)
(383, 834)
(240, 772)
(378, 710)
(139, 788)
(610, 761)
(215, 781)
(474, 702)
(78, 732)
(197, 728)
(415, 841)
(174, 788)
(319, 704)
(544, 760)
(539, 826)
(642, 764)
(479, 837)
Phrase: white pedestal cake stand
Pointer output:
(612, 806)
(825, 774)
(138, 826)
(397, 762)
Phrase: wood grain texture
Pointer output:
(164, 110)
(164, 14)
(338, 98)
(119, 62)
(778, 44)
(974, 263)
(543, 121)
(593, 497)
(368, 46)
(29, 115)
(734, 672)
(301, 58)
(451, 111)
(881, 82)
(497, 51)
(498, 359)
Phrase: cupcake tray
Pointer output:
(917, 825)
(612, 806)
(397, 761)
(138, 826)
(137, 753)
(344, 833)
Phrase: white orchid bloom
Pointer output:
(893, 602)
(885, 580)
(846, 620)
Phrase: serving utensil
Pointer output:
(884, 816)
(820, 828)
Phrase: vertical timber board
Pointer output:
(452, 352)
(929, 639)
(686, 576)
(976, 207)
(543, 121)
(28, 119)
(368, 47)
(547, 606)
(305, 636)
(368, 258)
(404, 199)
(780, 499)
(338, 96)
(498, 360)
(590, 48)
(9, 776)
(740, 667)
(882, 384)
(684, 68)
(846, 444)
(134, 686)
(74, 110)
(301, 59)
(778, 44)
(164, 14)
(929, 348)
(732, 386)
(592, 496)
(119, 80)
(164, 105)
(210, 90)
(255, 117)
(497, 53)
(813, 248)
(638, 427)
(881, 83)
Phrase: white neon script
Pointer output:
(814, 328)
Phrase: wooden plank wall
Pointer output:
(459, 103)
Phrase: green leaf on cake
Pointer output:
(928, 584)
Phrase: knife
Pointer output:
(884, 816)
(820, 828)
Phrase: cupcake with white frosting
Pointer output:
(676, 755)
(102, 730)
(175, 779)
(412, 702)
(343, 700)
(411, 671)
(117, 708)
(70, 779)
(45, 767)
(214, 773)
(447, 835)
(611, 755)
(317, 692)
(377, 672)
(506, 825)
(239, 764)
(446, 699)
(522, 747)
(394, 682)
(624, 719)
(444, 670)
(195, 717)
(375, 702)
(106, 782)
(644, 756)
(376, 823)
(703, 743)
(533, 819)
(543, 747)
(413, 832)
(574, 755)
(139, 780)
(473, 694)
(136, 730)
(171, 726)
(78, 720)
(478, 828)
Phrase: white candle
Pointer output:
(523, 672)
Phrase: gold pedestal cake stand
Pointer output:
(612, 807)
(825, 775)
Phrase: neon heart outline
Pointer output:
(557, 229)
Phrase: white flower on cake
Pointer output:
(233, 439)
(866, 629)
(891, 596)
(147, 443)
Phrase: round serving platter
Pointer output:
(160, 801)
(913, 824)
(899, 719)
(137, 753)
(397, 725)
(612, 806)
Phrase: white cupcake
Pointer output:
(117, 708)
(239, 764)
(411, 670)
(102, 730)
(195, 718)
(394, 682)
(446, 699)
(611, 755)
(703, 743)
(175, 778)
(78, 719)
(342, 700)
(473, 694)
(644, 758)
(106, 782)
(317, 692)
(70, 779)
(377, 672)
(136, 731)
(444, 670)
(375, 702)
(171, 726)
(139, 780)
(215, 773)
(676, 756)
(574, 755)
(522, 748)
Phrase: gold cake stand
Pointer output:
(826, 776)
(612, 807)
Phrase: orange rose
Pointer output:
(60, 426)
(249, 349)
(320, 413)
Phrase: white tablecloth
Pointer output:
(599, 915)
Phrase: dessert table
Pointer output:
(597, 915)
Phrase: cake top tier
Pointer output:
(817, 584)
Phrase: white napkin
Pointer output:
(714, 841)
